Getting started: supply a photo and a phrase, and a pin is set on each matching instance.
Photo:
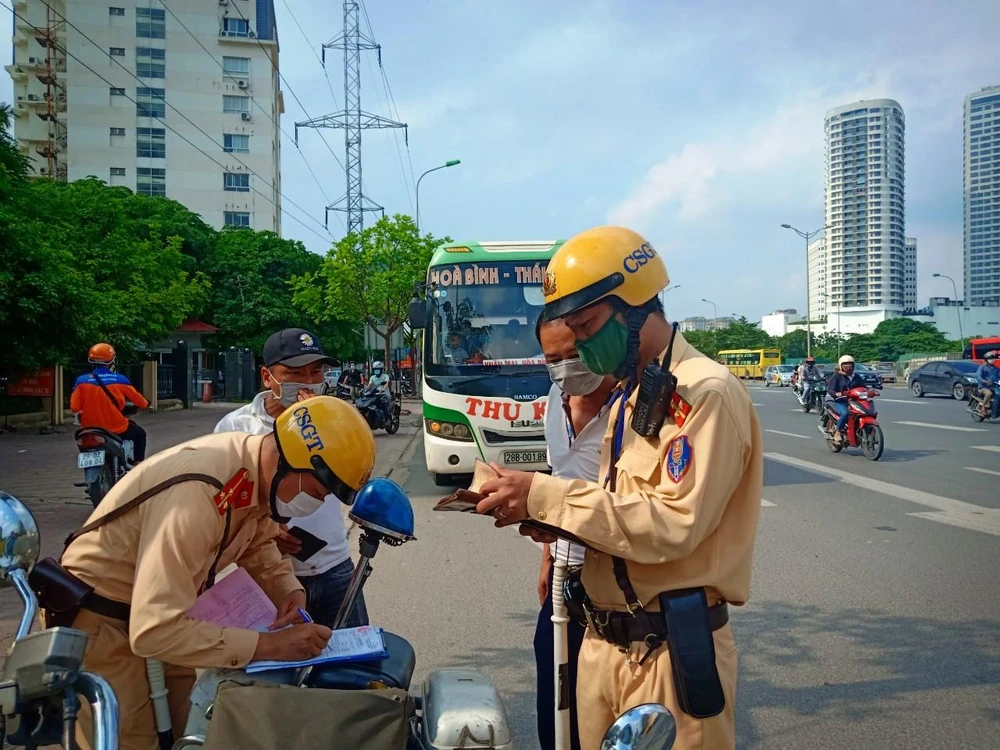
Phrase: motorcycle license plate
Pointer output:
(525, 457)
(91, 459)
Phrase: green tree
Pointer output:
(369, 277)
(898, 336)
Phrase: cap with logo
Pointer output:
(293, 347)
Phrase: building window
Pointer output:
(151, 142)
(235, 27)
(150, 103)
(117, 92)
(236, 66)
(117, 51)
(116, 11)
(236, 182)
(117, 131)
(117, 171)
(151, 23)
(151, 181)
(237, 219)
(150, 63)
(236, 144)
(235, 103)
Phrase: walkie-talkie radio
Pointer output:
(656, 389)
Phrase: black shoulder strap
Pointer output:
(106, 391)
(139, 500)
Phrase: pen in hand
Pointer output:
(304, 615)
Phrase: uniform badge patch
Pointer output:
(679, 409)
(679, 457)
(238, 492)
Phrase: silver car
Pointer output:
(779, 375)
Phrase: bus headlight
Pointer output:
(449, 430)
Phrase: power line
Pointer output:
(326, 74)
(394, 114)
(172, 130)
(252, 99)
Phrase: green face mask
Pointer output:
(606, 350)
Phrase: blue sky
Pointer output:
(699, 125)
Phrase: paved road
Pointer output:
(875, 619)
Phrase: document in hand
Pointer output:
(236, 602)
(347, 644)
(465, 501)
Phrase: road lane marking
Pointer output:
(788, 434)
(994, 448)
(758, 404)
(942, 426)
(950, 511)
(905, 401)
(766, 503)
(983, 471)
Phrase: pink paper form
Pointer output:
(236, 602)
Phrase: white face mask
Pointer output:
(289, 393)
(303, 504)
(573, 377)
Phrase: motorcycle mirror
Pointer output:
(646, 727)
(19, 540)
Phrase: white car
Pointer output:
(779, 375)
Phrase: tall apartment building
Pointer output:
(817, 270)
(910, 275)
(981, 161)
(864, 205)
(113, 90)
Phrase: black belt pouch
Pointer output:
(59, 592)
(692, 652)
(575, 596)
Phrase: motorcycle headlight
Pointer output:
(970, 380)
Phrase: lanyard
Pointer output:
(570, 432)
(619, 434)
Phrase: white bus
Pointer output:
(484, 378)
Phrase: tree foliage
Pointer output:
(369, 277)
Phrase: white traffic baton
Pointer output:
(560, 650)
(161, 707)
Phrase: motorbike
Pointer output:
(979, 405)
(368, 405)
(862, 430)
(105, 458)
(339, 390)
(42, 679)
(814, 396)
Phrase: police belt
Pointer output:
(622, 629)
(105, 607)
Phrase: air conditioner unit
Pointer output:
(32, 60)
(32, 97)
(223, 2)
(245, 115)
(20, 98)
(242, 84)
(251, 34)
(222, 32)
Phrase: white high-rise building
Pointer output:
(113, 90)
(817, 269)
(981, 161)
(910, 275)
(864, 205)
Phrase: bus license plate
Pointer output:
(525, 457)
(91, 459)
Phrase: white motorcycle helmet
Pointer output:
(378, 368)
(847, 359)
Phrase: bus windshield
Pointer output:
(481, 318)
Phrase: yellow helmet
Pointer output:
(330, 438)
(599, 263)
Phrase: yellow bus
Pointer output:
(749, 363)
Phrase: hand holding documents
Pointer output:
(236, 602)
(347, 644)
(465, 501)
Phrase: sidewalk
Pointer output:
(40, 471)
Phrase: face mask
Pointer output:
(573, 377)
(290, 391)
(606, 350)
(303, 504)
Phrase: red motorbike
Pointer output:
(862, 430)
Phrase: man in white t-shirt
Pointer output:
(293, 371)
(576, 418)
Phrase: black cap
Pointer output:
(293, 347)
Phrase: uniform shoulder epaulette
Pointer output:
(679, 409)
(238, 493)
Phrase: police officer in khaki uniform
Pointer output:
(671, 524)
(209, 502)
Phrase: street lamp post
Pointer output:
(449, 163)
(807, 236)
(958, 308)
(663, 294)
(838, 320)
(715, 310)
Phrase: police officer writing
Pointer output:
(131, 574)
(670, 526)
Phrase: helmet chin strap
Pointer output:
(281, 473)
(635, 318)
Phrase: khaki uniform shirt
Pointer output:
(687, 502)
(157, 556)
